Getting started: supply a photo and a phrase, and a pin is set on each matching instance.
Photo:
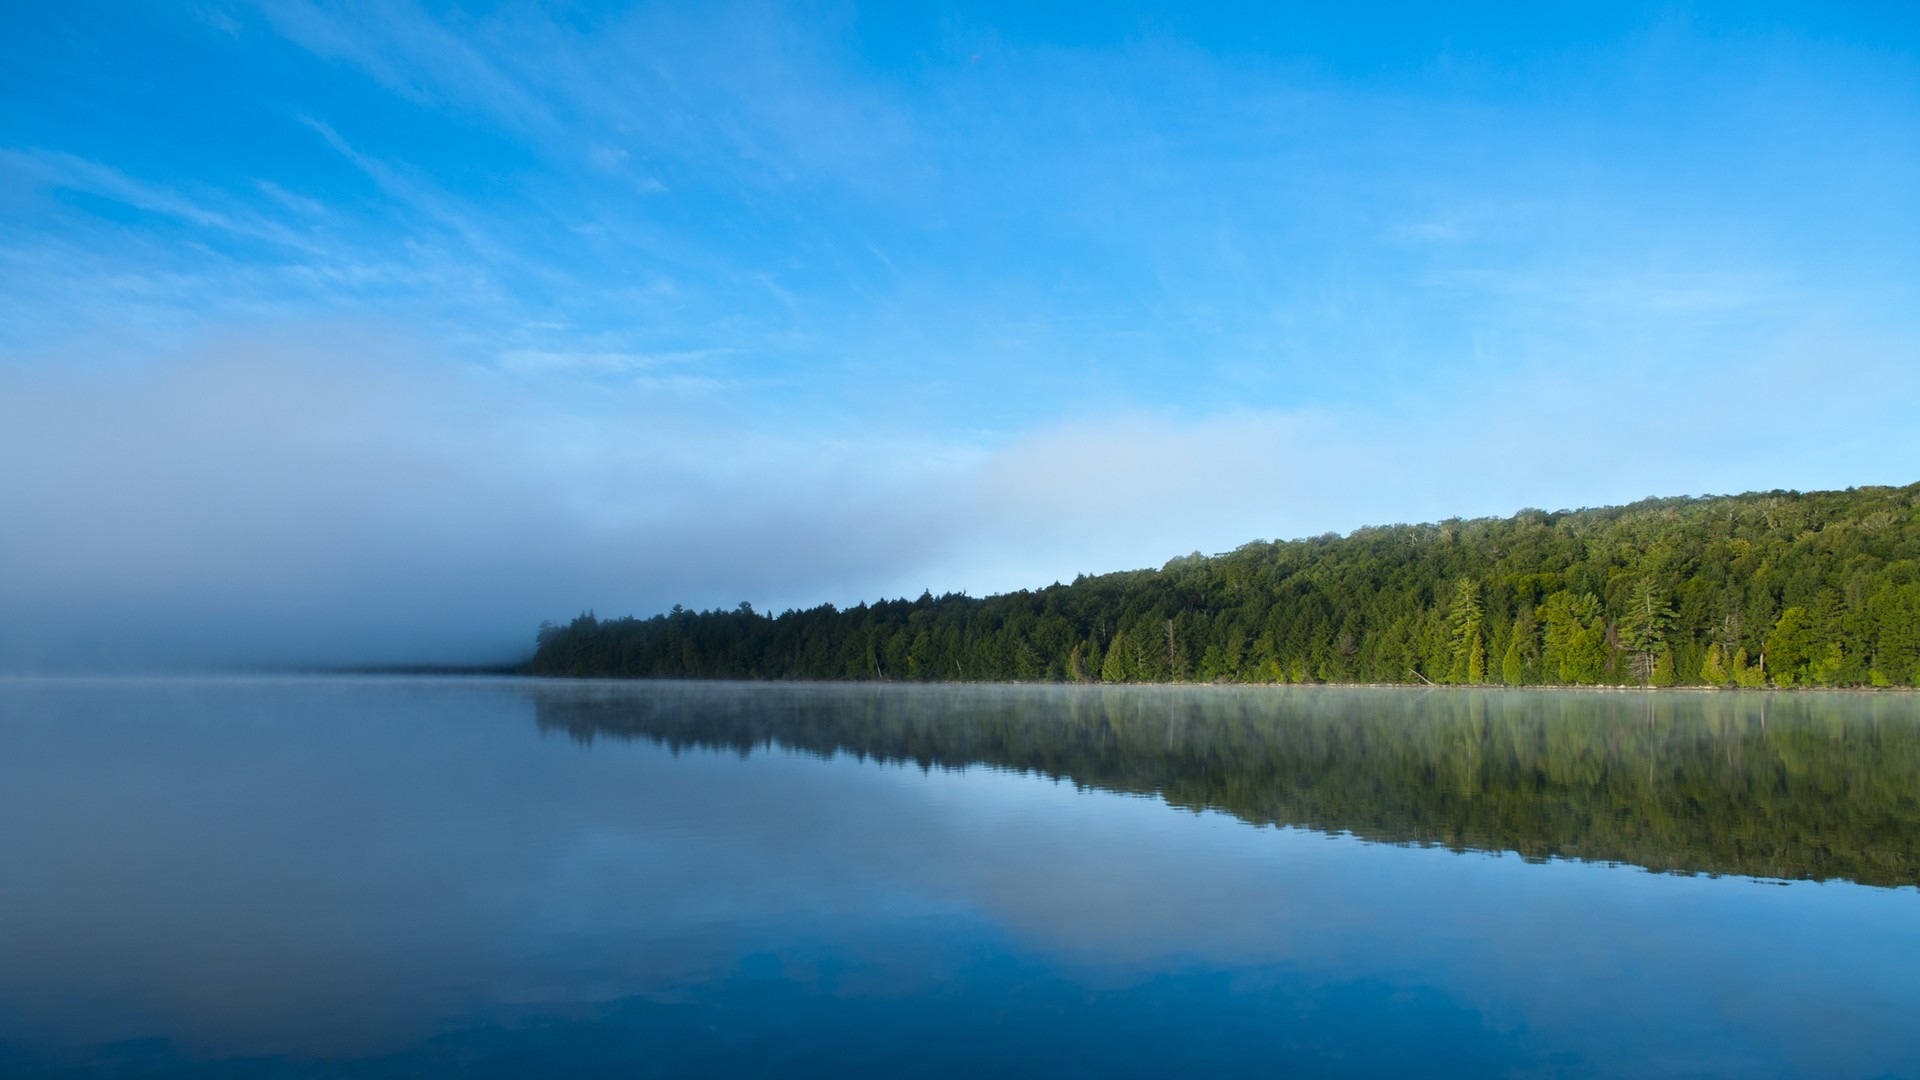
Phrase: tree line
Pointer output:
(1773, 589)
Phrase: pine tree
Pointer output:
(1791, 646)
(1513, 667)
(1464, 624)
(1115, 668)
(1714, 671)
(1576, 637)
(1663, 673)
(1643, 631)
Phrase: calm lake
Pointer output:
(388, 877)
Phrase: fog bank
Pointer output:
(318, 499)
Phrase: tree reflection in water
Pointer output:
(1808, 786)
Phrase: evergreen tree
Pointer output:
(1713, 671)
(1115, 669)
(1643, 630)
(1464, 625)
(1513, 667)
(1663, 670)
(1790, 647)
(1576, 637)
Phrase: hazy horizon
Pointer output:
(361, 334)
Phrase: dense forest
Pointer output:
(1724, 784)
(1777, 589)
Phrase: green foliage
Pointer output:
(1115, 669)
(1576, 637)
(1714, 671)
(1817, 589)
(1513, 666)
(1663, 670)
(1643, 630)
(1464, 625)
(1790, 647)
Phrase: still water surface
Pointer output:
(387, 877)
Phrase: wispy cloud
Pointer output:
(66, 172)
(410, 53)
(538, 361)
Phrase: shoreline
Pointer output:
(1481, 687)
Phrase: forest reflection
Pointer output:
(1805, 786)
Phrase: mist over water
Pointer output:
(262, 505)
(257, 508)
(383, 876)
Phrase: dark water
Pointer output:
(356, 877)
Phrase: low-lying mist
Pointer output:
(331, 498)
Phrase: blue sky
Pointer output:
(384, 331)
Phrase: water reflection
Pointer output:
(1794, 787)
(403, 877)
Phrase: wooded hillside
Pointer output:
(1774, 589)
